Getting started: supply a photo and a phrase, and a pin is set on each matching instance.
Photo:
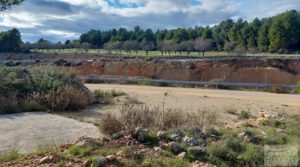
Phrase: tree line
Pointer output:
(280, 33)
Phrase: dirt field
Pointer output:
(193, 100)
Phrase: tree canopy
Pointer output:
(6, 4)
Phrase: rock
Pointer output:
(190, 141)
(175, 137)
(88, 142)
(70, 164)
(182, 155)
(157, 149)
(104, 139)
(50, 159)
(161, 135)
(242, 134)
(246, 137)
(87, 163)
(202, 164)
(120, 153)
(175, 148)
(111, 157)
(164, 146)
(100, 161)
(44, 160)
(279, 130)
(140, 134)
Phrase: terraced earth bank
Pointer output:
(272, 71)
(243, 69)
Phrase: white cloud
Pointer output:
(60, 33)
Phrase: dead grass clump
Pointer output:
(133, 116)
(110, 124)
(173, 119)
(245, 115)
(231, 111)
(143, 116)
(65, 98)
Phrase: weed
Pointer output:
(231, 111)
(10, 156)
(110, 124)
(244, 115)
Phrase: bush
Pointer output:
(143, 116)
(41, 88)
(297, 89)
(106, 97)
(244, 115)
(110, 124)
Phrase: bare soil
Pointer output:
(194, 100)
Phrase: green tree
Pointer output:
(284, 31)
(6, 4)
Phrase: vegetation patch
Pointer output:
(40, 89)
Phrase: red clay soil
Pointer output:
(274, 71)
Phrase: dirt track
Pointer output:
(194, 99)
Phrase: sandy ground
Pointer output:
(195, 99)
(28, 131)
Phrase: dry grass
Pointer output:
(65, 98)
(134, 115)
(110, 124)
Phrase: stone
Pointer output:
(242, 134)
(161, 135)
(279, 130)
(100, 161)
(190, 141)
(44, 160)
(164, 146)
(176, 137)
(140, 134)
(111, 157)
(202, 164)
(49, 159)
(157, 149)
(87, 163)
(182, 155)
(120, 153)
(175, 148)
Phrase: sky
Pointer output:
(58, 20)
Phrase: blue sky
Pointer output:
(58, 20)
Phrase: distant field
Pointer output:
(156, 53)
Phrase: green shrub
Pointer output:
(107, 97)
(41, 88)
(227, 150)
(273, 123)
(297, 89)
(80, 151)
(244, 115)
(253, 156)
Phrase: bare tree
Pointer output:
(147, 46)
(202, 45)
(188, 46)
